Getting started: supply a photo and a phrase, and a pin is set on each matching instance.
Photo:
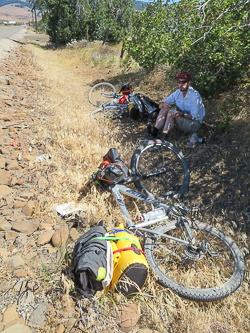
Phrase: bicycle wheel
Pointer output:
(96, 93)
(212, 270)
(173, 176)
(114, 111)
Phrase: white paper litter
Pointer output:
(69, 208)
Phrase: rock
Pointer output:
(15, 322)
(5, 180)
(38, 316)
(5, 286)
(15, 261)
(3, 253)
(10, 314)
(2, 162)
(19, 328)
(4, 225)
(128, 315)
(30, 158)
(26, 226)
(21, 240)
(60, 328)
(19, 274)
(10, 235)
(27, 195)
(19, 204)
(74, 234)
(29, 208)
(4, 191)
(60, 236)
(43, 184)
(14, 166)
(5, 117)
(45, 237)
(45, 226)
(26, 298)
(4, 151)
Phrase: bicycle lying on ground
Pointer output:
(193, 259)
(113, 105)
(109, 102)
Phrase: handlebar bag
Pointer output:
(112, 170)
(125, 88)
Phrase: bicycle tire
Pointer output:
(95, 96)
(96, 111)
(114, 111)
(172, 183)
(210, 278)
(110, 111)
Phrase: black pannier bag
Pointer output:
(92, 261)
(143, 107)
(112, 170)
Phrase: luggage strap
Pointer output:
(116, 239)
(130, 249)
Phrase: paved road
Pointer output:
(9, 37)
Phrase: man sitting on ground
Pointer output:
(190, 109)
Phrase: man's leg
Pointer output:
(160, 121)
(169, 124)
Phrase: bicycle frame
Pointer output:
(140, 227)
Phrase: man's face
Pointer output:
(183, 84)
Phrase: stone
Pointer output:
(3, 252)
(4, 191)
(60, 329)
(19, 204)
(60, 236)
(30, 158)
(10, 235)
(15, 261)
(6, 117)
(4, 225)
(4, 151)
(29, 208)
(10, 314)
(5, 286)
(27, 195)
(14, 166)
(26, 226)
(5, 180)
(15, 322)
(45, 226)
(45, 237)
(19, 274)
(2, 162)
(18, 328)
(38, 316)
(21, 240)
(128, 316)
(74, 234)
(43, 184)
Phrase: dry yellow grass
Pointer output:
(77, 144)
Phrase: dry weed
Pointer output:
(77, 144)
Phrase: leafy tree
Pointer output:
(92, 19)
(208, 38)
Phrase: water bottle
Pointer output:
(154, 214)
(193, 138)
(149, 128)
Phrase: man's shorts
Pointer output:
(189, 126)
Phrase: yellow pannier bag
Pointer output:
(129, 262)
